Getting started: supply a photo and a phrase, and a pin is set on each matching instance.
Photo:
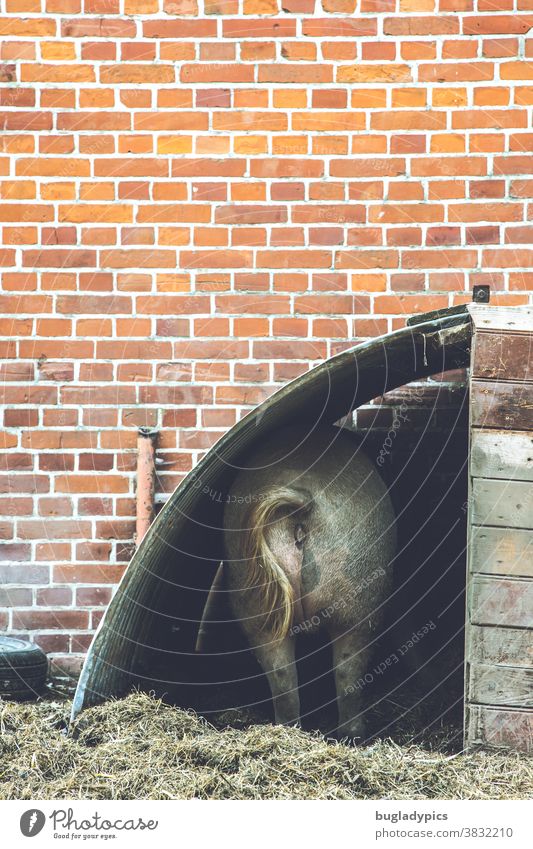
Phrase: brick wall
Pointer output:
(199, 200)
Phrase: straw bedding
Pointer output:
(141, 748)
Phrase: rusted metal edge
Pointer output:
(146, 445)
(153, 613)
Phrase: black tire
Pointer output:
(23, 669)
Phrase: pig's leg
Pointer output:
(278, 661)
(350, 662)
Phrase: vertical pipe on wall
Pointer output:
(146, 444)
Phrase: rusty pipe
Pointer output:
(146, 445)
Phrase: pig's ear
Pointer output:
(299, 535)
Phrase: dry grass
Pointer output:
(140, 748)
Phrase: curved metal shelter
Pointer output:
(146, 639)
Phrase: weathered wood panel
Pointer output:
(500, 728)
(503, 356)
(501, 646)
(501, 405)
(501, 551)
(501, 454)
(506, 602)
(501, 503)
(501, 685)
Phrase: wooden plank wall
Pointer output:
(499, 622)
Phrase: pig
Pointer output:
(309, 539)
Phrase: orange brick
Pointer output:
(339, 51)
(449, 97)
(56, 73)
(250, 145)
(373, 73)
(290, 98)
(413, 50)
(57, 51)
(251, 99)
(79, 213)
(516, 71)
(248, 191)
(251, 327)
(97, 98)
(491, 96)
(174, 144)
(486, 143)
(327, 145)
(93, 327)
(17, 189)
(417, 5)
(260, 51)
(16, 50)
(523, 96)
(211, 237)
(212, 145)
(298, 51)
(346, 7)
(174, 236)
(368, 282)
(290, 145)
(409, 98)
(330, 122)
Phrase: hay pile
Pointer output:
(140, 748)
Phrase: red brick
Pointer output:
(299, 73)
(259, 28)
(294, 350)
(101, 27)
(427, 25)
(216, 73)
(52, 643)
(519, 235)
(373, 73)
(54, 596)
(251, 214)
(329, 99)
(188, 29)
(511, 258)
(486, 212)
(93, 596)
(367, 259)
(15, 597)
(512, 164)
(28, 27)
(205, 229)
(55, 506)
(439, 166)
(286, 168)
(443, 236)
(215, 259)
(338, 27)
(329, 213)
